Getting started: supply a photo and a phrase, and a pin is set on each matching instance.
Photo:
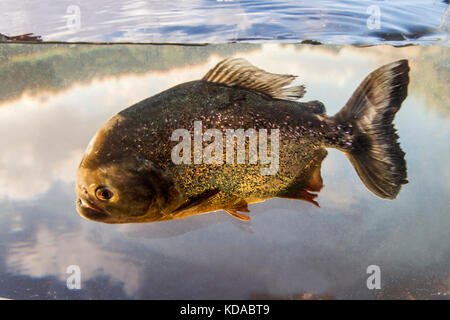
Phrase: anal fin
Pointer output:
(310, 180)
(301, 195)
(238, 72)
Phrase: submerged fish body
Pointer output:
(128, 173)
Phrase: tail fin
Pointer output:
(375, 153)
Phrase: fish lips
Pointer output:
(89, 211)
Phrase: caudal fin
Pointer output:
(375, 153)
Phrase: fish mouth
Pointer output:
(91, 212)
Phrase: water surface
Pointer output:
(200, 21)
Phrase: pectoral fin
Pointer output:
(242, 206)
(237, 215)
(197, 200)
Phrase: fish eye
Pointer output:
(103, 193)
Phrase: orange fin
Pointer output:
(303, 194)
(241, 206)
(195, 201)
(309, 197)
(237, 215)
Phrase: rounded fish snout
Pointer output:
(89, 212)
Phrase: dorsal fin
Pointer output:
(238, 72)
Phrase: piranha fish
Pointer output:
(128, 173)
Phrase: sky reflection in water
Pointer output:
(288, 248)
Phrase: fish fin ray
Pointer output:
(242, 206)
(237, 215)
(375, 153)
(238, 72)
(302, 194)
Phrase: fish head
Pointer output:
(114, 194)
(120, 186)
